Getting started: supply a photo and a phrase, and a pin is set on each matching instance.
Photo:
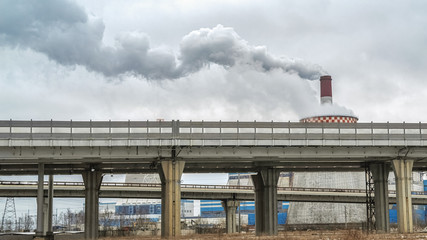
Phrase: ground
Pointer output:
(296, 235)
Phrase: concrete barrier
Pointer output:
(16, 237)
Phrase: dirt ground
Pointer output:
(296, 235)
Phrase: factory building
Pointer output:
(153, 207)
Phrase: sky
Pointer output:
(211, 60)
(232, 60)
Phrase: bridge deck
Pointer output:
(193, 191)
(72, 147)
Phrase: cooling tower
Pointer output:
(143, 178)
(322, 213)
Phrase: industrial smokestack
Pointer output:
(326, 89)
(328, 112)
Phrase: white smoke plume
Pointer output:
(68, 35)
(317, 110)
(223, 46)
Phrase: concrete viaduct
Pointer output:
(198, 192)
(92, 148)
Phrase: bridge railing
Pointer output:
(196, 186)
(209, 133)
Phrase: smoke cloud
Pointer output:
(316, 110)
(223, 46)
(68, 35)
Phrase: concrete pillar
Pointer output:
(40, 201)
(380, 173)
(403, 174)
(230, 207)
(265, 183)
(170, 175)
(92, 180)
(49, 230)
(46, 215)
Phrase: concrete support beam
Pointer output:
(49, 230)
(45, 215)
(265, 183)
(403, 174)
(92, 180)
(380, 173)
(230, 207)
(170, 174)
(40, 201)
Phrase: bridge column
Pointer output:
(40, 202)
(48, 211)
(265, 183)
(92, 180)
(170, 175)
(380, 173)
(403, 174)
(230, 207)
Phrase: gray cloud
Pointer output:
(375, 61)
(66, 34)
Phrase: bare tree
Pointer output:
(28, 222)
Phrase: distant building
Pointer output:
(214, 209)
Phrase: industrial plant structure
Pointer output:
(295, 213)
(322, 213)
(326, 99)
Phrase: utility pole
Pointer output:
(56, 217)
(240, 224)
(240, 219)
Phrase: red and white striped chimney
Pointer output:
(326, 89)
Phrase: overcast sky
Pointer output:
(211, 60)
